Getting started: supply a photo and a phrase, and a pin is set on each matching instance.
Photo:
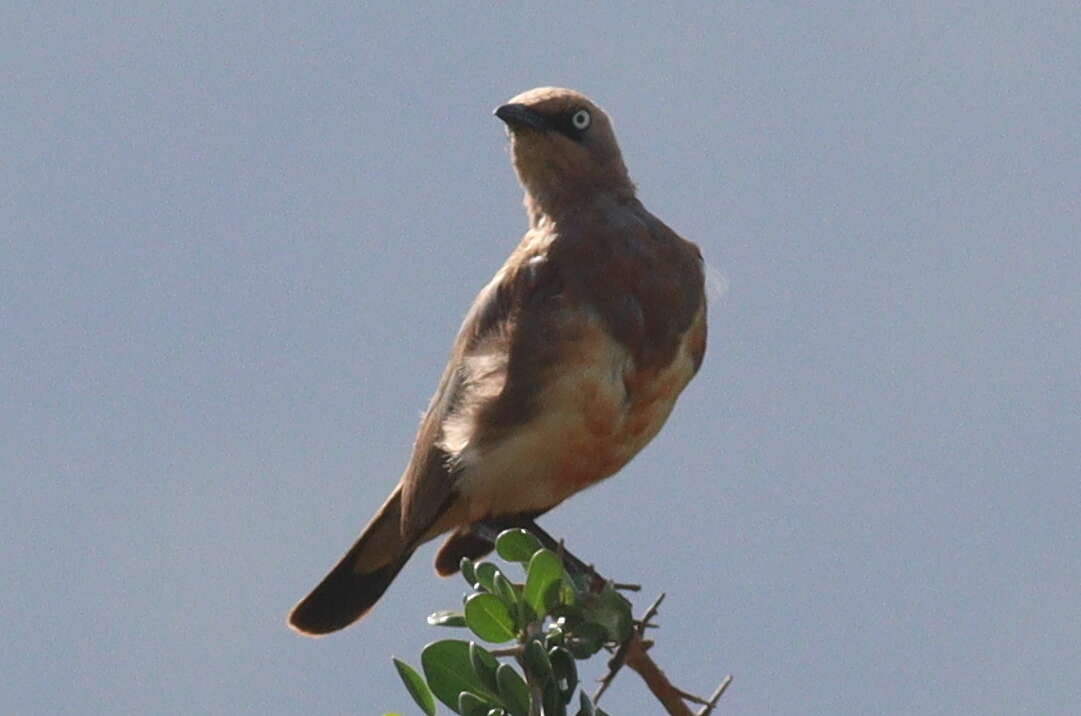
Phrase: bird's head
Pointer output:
(564, 149)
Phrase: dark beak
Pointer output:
(518, 116)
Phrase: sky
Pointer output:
(239, 239)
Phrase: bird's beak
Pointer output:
(519, 116)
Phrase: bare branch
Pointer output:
(659, 685)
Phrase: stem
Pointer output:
(536, 693)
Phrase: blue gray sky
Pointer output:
(239, 240)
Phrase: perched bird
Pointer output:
(567, 364)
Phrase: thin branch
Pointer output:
(614, 665)
(692, 697)
(620, 658)
(659, 685)
(536, 694)
(716, 696)
(651, 612)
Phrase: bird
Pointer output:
(567, 364)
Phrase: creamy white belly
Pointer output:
(589, 424)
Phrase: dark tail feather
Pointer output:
(461, 543)
(359, 579)
(341, 598)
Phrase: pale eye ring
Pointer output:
(580, 120)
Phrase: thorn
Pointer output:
(716, 696)
(691, 697)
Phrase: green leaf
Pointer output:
(486, 572)
(565, 670)
(414, 683)
(468, 571)
(489, 618)
(447, 619)
(484, 665)
(553, 701)
(536, 661)
(585, 639)
(512, 597)
(472, 705)
(612, 613)
(497, 712)
(516, 545)
(449, 672)
(513, 689)
(586, 707)
(567, 594)
(543, 577)
(505, 591)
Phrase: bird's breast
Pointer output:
(595, 411)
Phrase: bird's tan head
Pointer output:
(563, 149)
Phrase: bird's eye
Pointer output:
(580, 120)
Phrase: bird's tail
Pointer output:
(360, 578)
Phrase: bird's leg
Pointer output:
(486, 530)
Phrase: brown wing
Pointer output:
(473, 379)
